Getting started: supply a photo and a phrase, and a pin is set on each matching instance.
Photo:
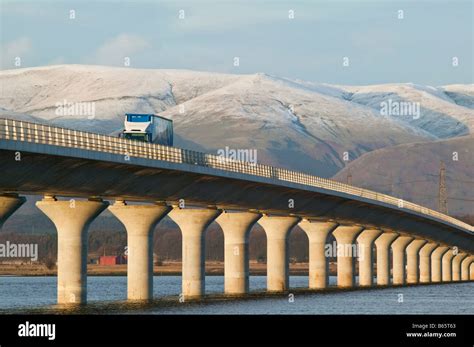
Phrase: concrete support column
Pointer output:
(139, 221)
(277, 229)
(447, 265)
(382, 244)
(317, 233)
(345, 237)
(399, 259)
(465, 264)
(413, 260)
(9, 203)
(366, 255)
(436, 256)
(457, 265)
(193, 224)
(425, 261)
(236, 227)
(72, 219)
(471, 272)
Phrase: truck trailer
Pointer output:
(150, 128)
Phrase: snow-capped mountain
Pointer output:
(443, 112)
(295, 124)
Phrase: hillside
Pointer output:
(411, 172)
(294, 124)
(444, 111)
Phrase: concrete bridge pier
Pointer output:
(193, 224)
(9, 203)
(139, 221)
(457, 266)
(399, 247)
(345, 237)
(365, 241)
(72, 219)
(413, 260)
(317, 233)
(447, 265)
(236, 227)
(436, 256)
(471, 272)
(466, 263)
(382, 244)
(277, 229)
(425, 261)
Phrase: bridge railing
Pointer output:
(44, 134)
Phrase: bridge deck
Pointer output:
(75, 163)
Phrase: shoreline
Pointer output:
(213, 268)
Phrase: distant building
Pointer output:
(112, 260)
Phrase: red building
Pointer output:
(112, 260)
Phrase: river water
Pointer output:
(108, 294)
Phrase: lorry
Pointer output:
(150, 128)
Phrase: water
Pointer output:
(108, 294)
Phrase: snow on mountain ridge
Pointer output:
(439, 115)
(461, 94)
(295, 124)
(291, 122)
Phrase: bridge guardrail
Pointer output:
(51, 135)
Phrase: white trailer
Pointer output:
(148, 128)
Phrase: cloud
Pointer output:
(20, 47)
(115, 50)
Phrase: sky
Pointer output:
(338, 42)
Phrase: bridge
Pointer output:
(80, 174)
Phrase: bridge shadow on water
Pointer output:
(168, 302)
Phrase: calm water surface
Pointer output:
(108, 294)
